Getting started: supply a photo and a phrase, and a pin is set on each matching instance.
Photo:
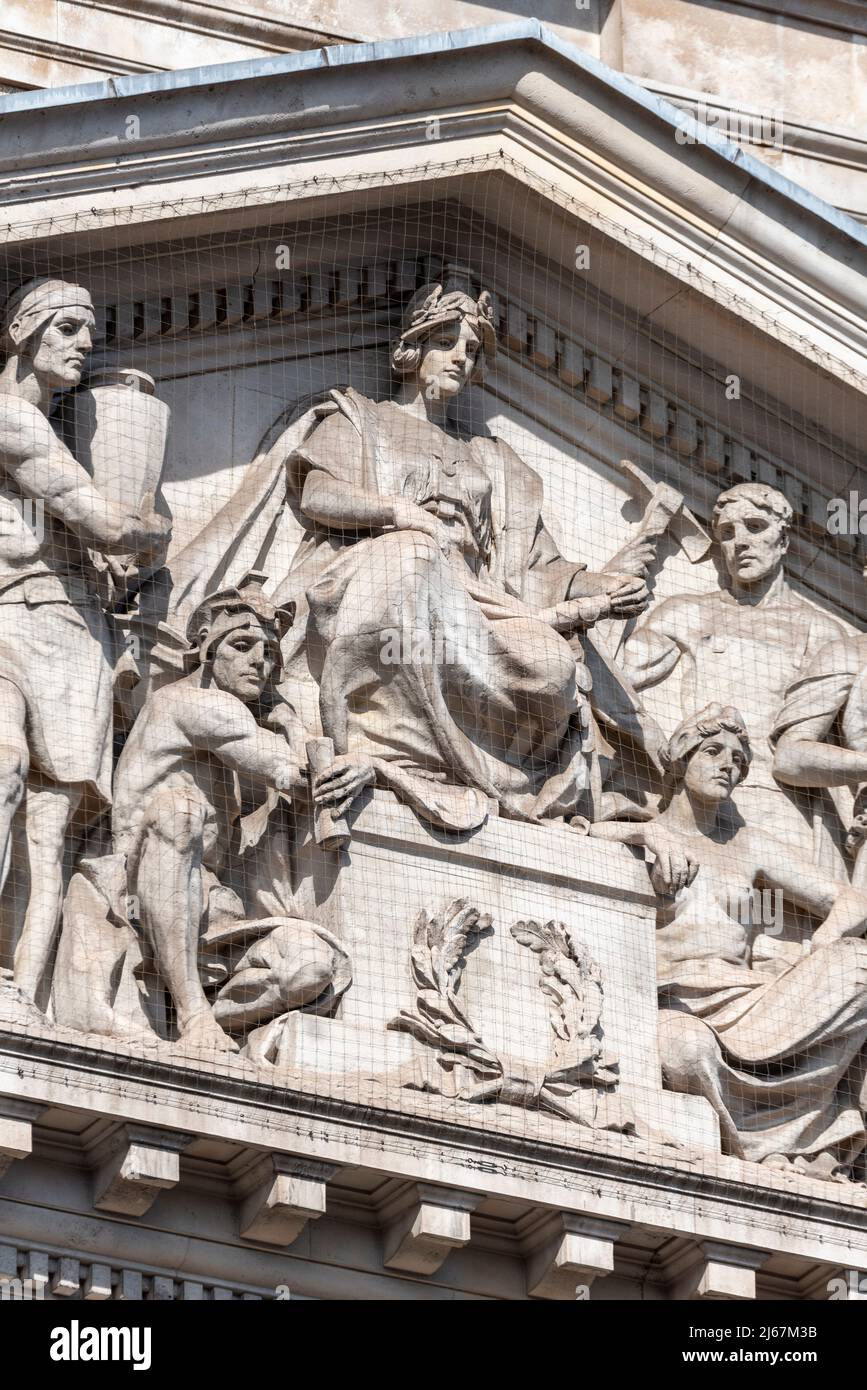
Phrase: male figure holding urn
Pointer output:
(56, 654)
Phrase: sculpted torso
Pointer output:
(735, 653)
(702, 922)
(168, 749)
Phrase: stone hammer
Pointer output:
(665, 512)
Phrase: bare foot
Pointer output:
(825, 1166)
(777, 1161)
(204, 1032)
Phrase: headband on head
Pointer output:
(36, 301)
(692, 732)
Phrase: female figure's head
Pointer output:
(47, 328)
(446, 338)
(708, 755)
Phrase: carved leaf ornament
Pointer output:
(572, 984)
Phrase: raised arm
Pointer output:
(41, 466)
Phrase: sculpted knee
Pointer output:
(688, 1050)
(177, 818)
(14, 767)
(412, 551)
(292, 967)
(848, 957)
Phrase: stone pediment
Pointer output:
(703, 262)
(289, 128)
(429, 967)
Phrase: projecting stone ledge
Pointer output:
(424, 1225)
(135, 1167)
(280, 1195)
(720, 1272)
(16, 1131)
(571, 1250)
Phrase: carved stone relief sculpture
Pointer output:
(441, 623)
(744, 645)
(56, 645)
(579, 1079)
(431, 640)
(441, 636)
(175, 822)
(772, 1035)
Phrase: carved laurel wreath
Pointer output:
(439, 946)
(572, 983)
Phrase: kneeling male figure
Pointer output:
(176, 797)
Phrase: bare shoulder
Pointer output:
(681, 612)
(187, 694)
(165, 703)
(209, 713)
(23, 427)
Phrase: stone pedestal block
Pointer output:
(395, 867)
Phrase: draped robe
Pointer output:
(440, 670)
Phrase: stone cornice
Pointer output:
(260, 31)
(604, 141)
(847, 15)
(548, 1163)
(55, 51)
(830, 144)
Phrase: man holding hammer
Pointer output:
(744, 645)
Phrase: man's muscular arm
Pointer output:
(842, 907)
(655, 647)
(42, 467)
(802, 757)
(222, 725)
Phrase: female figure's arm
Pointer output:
(344, 507)
(340, 506)
(843, 907)
(676, 861)
(327, 474)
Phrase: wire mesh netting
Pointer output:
(430, 673)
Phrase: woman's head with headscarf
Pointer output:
(709, 752)
(447, 336)
(49, 323)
